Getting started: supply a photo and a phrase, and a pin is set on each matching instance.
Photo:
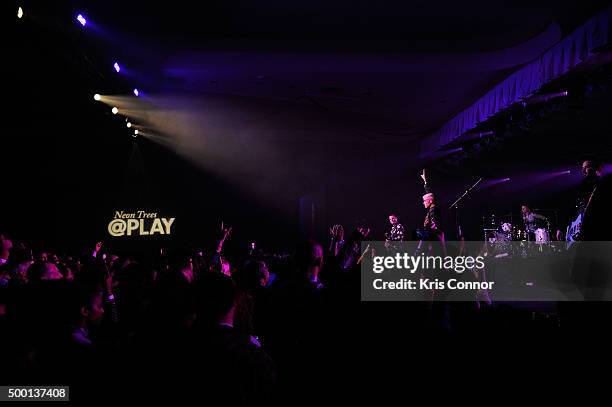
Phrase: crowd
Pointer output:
(249, 329)
(253, 328)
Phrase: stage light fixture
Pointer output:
(115, 110)
(81, 19)
(97, 97)
(136, 132)
(136, 92)
(19, 12)
(117, 67)
(129, 125)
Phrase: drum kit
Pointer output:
(502, 230)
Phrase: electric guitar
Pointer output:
(573, 230)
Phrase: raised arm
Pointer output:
(5, 246)
(225, 233)
(337, 239)
(426, 183)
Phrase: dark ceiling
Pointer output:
(356, 25)
(407, 67)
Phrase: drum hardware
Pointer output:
(501, 231)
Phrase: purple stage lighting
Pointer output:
(484, 134)
(136, 92)
(544, 97)
(117, 67)
(556, 178)
(545, 176)
(81, 19)
(492, 182)
(443, 153)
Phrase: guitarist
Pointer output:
(591, 173)
(590, 271)
(594, 203)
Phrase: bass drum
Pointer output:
(542, 236)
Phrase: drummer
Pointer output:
(530, 220)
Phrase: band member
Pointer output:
(431, 241)
(591, 269)
(429, 202)
(431, 230)
(594, 203)
(591, 176)
(530, 220)
(397, 230)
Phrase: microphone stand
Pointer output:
(456, 206)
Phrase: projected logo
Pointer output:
(139, 223)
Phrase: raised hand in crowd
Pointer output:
(97, 248)
(336, 233)
(361, 233)
(5, 246)
(225, 234)
(351, 251)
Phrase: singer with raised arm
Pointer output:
(431, 224)
(431, 237)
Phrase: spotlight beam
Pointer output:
(492, 182)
